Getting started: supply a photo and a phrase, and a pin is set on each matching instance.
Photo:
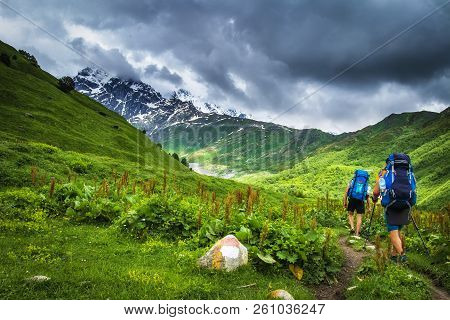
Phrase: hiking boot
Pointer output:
(403, 258)
(395, 259)
(352, 232)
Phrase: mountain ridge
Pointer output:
(182, 127)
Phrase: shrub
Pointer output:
(20, 204)
(185, 162)
(326, 218)
(66, 84)
(5, 59)
(170, 216)
(175, 156)
(63, 198)
(315, 251)
(29, 57)
(88, 207)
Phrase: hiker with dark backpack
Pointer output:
(354, 197)
(396, 185)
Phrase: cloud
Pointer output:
(111, 60)
(153, 71)
(265, 56)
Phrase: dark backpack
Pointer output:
(359, 185)
(398, 184)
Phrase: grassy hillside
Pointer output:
(78, 203)
(66, 134)
(423, 135)
(243, 145)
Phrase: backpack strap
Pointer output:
(350, 189)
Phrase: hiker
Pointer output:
(354, 197)
(396, 185)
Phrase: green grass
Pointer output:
(438, 272)
(395, 283)
(62, 132)
(96, 262)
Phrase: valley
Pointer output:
(97, 203)
(303, 163)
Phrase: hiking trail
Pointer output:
(438, 293)
(352, 260)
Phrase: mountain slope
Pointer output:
(70, 133)
(223, 139)
(423, 135)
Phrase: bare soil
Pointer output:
(438, 293)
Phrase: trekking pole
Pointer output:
(420, 236)
(368, 228)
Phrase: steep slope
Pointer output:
(142, 105)
(126, 97)
(424, 135)
(64, 133)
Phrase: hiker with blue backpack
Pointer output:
(396, 185)
(354, 197)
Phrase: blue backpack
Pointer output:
(398, 184)
(359, 185)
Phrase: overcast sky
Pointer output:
(260, 57)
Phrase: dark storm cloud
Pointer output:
(314, 39)
(153, 71)
(111, 60)
(267, 55)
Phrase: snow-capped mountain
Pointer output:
(146, 108)
(189, 126)
(207, 107)
(126, 97)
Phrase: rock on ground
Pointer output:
(227, 254)
(280, 294)
(38, 279)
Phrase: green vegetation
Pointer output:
(73, 172)
(92, 203)
(423, 135)
(243, 145)
(69, 136)
(395, 282)
(380, 278)
(96, 262)
(66, 84)
(437, 271)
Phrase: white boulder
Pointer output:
(280, 295)
(227, 254)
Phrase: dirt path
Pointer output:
(438, 293)
(352, 260)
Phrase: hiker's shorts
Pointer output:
(355, 205)
(392, 227)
